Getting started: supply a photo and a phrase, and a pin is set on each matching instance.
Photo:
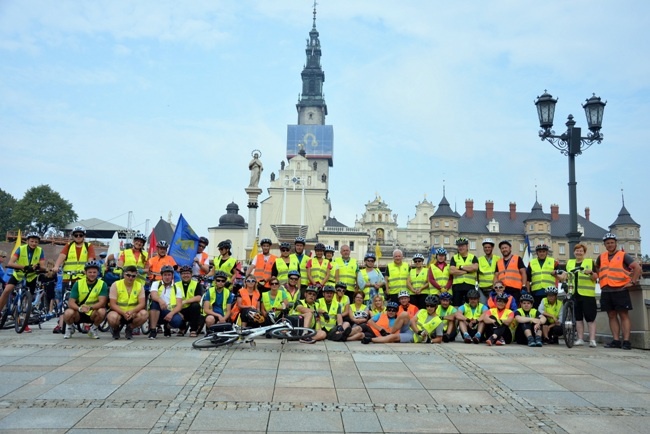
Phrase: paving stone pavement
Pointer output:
(82, 385)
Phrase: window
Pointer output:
(336, 245)
(472, 245)
(446, 240)
(446, 224)
(437, 224)
(435, 240)
(632, 247)
(562, 249)
(352, 246)
(596, 248)
(631, 232)
(522, 247)
(530, 227)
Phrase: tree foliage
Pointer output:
(7, 205)
(43, 209)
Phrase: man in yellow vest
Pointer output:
(346, 269)
(166, 303)
(126, 299)
(285, 263)
(617, 272)
(87, 302)
(302, 258)
(469, 315)
(487, 265)
(74, 256)
(417, 282)
(396, 274)
(463, 267)
(541, 273)
(551, 308)
(217, 301)
(225, 262)
(192, 293)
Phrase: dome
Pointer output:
(232, 218)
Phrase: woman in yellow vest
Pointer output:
(551, 308)
(427, 326)
(585, 295)
(439, 278)
(417, 282)
(377, 305)
(498, 322)
(276, 300)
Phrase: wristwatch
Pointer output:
(461, 268)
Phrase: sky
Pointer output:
(155, 106)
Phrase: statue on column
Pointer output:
(256, 168)
(282, 165)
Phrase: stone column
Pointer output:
(253, 193)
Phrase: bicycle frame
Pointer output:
(248, 335)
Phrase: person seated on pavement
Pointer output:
(275, 301)
(330, 316)
(468, 316)
(126, 298)
(192, 293)
(217, 301)
(342, 299)
(428, 327)
(87, 303)
(500, 288)
(529, 322)
(248, 298)
(551, 308)
(377, 306)
(447, 312)
(405, 305)
(292, 288)
(305, 311)
(166, 304)
(358, 312)
(389, 327)
(498, 322)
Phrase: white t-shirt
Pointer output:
(195, 267)
(164, 292)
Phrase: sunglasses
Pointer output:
(418, 260)
(220, 280)
(275, 283)
(285, 250)
(251, 280)
(391, 309)
(132, 276)
(499, 287)
(202, 246)
(370, 260)
(294, 278)
(77, 235)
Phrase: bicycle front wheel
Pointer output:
(6, 312)
(569, 325)
(22, 311)
(213, 341)
(293, 334)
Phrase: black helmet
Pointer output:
(265, 241)
(311, 288)
(541, 247)
(392, 305)
(220, 274)
(473, 293)
(224, 245)
(92, 264)
(340, 285)
(204, 240)
(319, 246)
(185, 269)
(328, 288)
(432, 299)
(502, 297)
(370, 255)
(527, 297)
(162, 244)
(285, 245)
(166, 269)
(462, 241)
(293, 273)
(505, 242)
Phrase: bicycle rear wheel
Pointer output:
(293, 334)
(22, 310)
(6, 312)
(213, 341)
(569, 325)
(144, 328)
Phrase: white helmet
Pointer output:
(488, 241)
(403, 293)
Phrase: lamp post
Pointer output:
(571, 143)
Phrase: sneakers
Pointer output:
(627, 345)
(366, 340)
(477, 338)
(93, 332)
(27, 329)
(116, 333)
(467, 339)
(578, 343)
(56, 329)
(128, 333)
(592, 344)
(445, 338)
(538, 341)
(153, 333)
(490, 341)
(531, 341)
(308, 341)
(136, 331)
(168, 331)
(501, 342)
(68, 332)
(613, 344)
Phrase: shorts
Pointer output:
(585, 308)
(619, 300)
(31, 285)
(406, 337)
(84, 318)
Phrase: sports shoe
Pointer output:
(92, 332)
(613, 344)
(366, 340)
(116, 333)
(538, 341)
(128, 333)
(627, 345)
(27, 329)
(592, 344)
(136, 331)
(578, 343)
(56, 329)
(531, 341)
(168, 331)
(477, 338)
(68, 332)
(153, 333)
(501, 342)
(490, 341)
(467, 339)
(308, 341)
(445, 338)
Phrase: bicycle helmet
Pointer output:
(445, 296)
(220, 274)
(293, 273)
(162, 244)
(473, 293)
(285, 246)
(328, 288)
(462, 241)
(505, 242)
(541, 247)
(418, 256)
(77, 229)
(501, 297)
(224, 245)
(392, 305)
(360, 314)
(441, 251)
(204, 240)
(403, 293)
(255, 316)
(488, 241)
(92, 264)
(265, 241)
(311, 288)
(369, 255)
(103, 254)
(432, 299)
(609, 236)
(140, 236)
(33, 235)
(299, 240)
(185, 269)
(166, 269)
(526, 297)
(319, 246)
(551, 290)
(340, 285)
(329, 248)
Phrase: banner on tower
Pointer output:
(316, 140)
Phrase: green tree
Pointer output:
(7, 205)
(43, 209)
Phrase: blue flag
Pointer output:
(184, 244)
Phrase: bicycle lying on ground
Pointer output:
(568, 308)
(228, 334)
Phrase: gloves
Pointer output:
(326, 316)
(28, 269)
(383, 332)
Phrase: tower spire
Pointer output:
(314, 25)
(311, 106)
(622, 197)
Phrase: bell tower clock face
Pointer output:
(311, 116)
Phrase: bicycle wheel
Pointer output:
(213, 341)
(104, 326)
(293, 334)
(22, 310)
(569, 325)
(6, 312)
(144, 328)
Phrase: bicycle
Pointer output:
(568, 308)
(39, 313)
(21, 301)
(228, 334)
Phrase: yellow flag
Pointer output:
(378, 251)
(19, 241)
(254, 250)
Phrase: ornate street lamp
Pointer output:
(571, 143)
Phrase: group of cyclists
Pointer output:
(490, 299)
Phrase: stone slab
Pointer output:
(527, 382)
(592, 424)
(302, 394)
(79, 391)
(308, 421)
(617, 399)
(121, 418)
(209, 419)
(152, 392)
(462, 397)
(400, 396)
(352, 396)
(415, 423)
(37, 419)
(488, 423)
(361, 422)
(552, 398)
(231, 393)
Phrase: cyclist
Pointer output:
(26, 260)
(447, 312)
(292, 287)
(134, 255)
(201, 263)
(329, 255)
(75, 255)
(225, 262)
(346, 269)
(318, 268)
(166, 304)
(87, 302)
(342, 299)
(405, 304)
(284, 264)
(302, 258)
(192, 294)
(585, 294)
(156, 263)
(469, 315)
(499, 288)
(427, 326)
(416, 282)
(370, 280)
(126, 299)
(248, 299)
(397, 272)
(511, 270)
(541, 273)
(440, 280)
(529, 322)
(487, 265)
(358, 312)
(330, 316)
(551, 308)
(217, 301)
(306, 309)
(377, 306)
(389, 327)
(274, 301)
(498, 322)
(463, 267)
(262, 265)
